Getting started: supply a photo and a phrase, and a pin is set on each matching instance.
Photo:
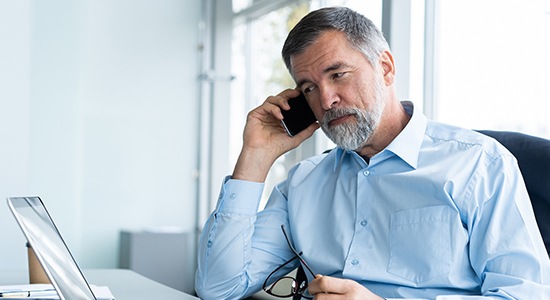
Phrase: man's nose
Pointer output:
(328, 97)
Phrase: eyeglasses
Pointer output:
(288, 286)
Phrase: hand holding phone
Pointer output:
(298, 117)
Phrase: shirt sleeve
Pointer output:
(506, 248)
(253, 241)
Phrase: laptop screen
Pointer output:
(51, 250)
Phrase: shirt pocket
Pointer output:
(420, 243)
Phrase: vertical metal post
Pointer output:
(396, 26)
(430, 107)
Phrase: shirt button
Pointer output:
(364, 223)
(355, 262)
(209, 244)
(366, 173)
(232, 196)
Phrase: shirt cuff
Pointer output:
(240, 196)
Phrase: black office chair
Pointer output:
(533, 155)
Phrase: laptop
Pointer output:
(50, 248)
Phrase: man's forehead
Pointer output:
(324, 58)
(322, 50)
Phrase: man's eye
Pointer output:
(307, 90)
(338, 75)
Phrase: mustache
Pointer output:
(336, 113)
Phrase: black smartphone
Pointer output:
(298, 117)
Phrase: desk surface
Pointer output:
(124, 284)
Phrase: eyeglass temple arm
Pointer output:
(296, 252)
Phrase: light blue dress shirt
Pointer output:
(441, 213)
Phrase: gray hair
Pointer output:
(361, 33)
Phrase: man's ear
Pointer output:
(388, 66)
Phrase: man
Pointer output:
(403, 208)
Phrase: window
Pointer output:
(260, 72)
(492, 65)
(482, 64)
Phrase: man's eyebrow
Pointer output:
(331, 68)
(300, 83)
(334, 66)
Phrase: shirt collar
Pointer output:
(406, 145)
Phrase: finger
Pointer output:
(309, 131)
(269, 107)
(289, 93)
(327, 284)
(282, 98)
(330, 297)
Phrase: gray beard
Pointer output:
(352, 135)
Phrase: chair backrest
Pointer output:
(533, 155)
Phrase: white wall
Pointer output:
(98, 112)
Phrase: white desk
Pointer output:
(124, 284)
